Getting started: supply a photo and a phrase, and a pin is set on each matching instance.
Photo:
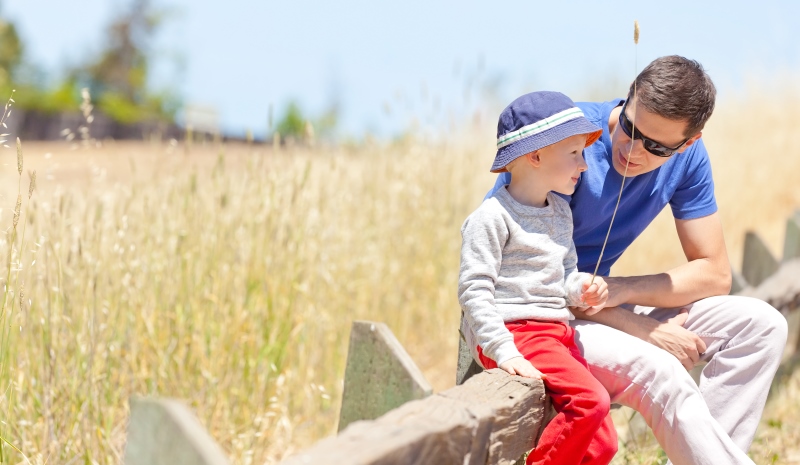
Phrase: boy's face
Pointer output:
(667, 132)
(562, 163)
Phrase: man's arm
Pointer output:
(707, 272)
(671, 336)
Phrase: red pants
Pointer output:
(582, 431)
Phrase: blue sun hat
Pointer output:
(537, 120)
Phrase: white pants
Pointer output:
(713, 423)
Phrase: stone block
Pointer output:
(380, 375)
(165, 432)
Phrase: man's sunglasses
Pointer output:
(656, 148)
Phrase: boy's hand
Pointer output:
(521, 366)
(595, 295)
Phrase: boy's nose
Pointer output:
(582, 166)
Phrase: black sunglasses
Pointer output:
(656, 148)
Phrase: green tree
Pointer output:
(10, 52)
(293, 123)
(118, 77)
(296, 125)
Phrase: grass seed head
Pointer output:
(32, 184)
(635, 31)
(19, 156)
(17, 210)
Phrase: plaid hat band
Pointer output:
(539, 126)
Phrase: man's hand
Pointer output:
(595, 295)
(521, 366)
(671, 336)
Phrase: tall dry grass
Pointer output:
(228, 276)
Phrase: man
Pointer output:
(666, 323)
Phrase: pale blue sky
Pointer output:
(417, 58)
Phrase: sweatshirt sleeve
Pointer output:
(484, 234)
(574, 279)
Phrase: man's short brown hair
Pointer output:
(676, 88)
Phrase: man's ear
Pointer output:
(533, 158)
(691, 141)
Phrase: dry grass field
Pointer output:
(228, 276)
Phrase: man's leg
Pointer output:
(745, 338)
(653, 382)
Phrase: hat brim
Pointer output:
(538, 141)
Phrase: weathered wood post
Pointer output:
(380, 375)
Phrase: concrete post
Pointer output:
(791, 244)
(380, 375)
(758, 263)
(165, 432)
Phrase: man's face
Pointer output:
(665, 131)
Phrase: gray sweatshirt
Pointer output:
(517, 262)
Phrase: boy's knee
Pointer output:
(609, 451)
(594, 404)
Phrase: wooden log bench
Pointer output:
(492, 418)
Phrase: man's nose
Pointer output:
(638, 149)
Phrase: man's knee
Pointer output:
(769, 328)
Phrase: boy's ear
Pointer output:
(533, 158)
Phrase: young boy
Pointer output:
(518, 275)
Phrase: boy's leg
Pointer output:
(653, 382)
(745, 338)
(604, 445)
(581, 402)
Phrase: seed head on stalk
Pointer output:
(17, 210)
(627, 162)
(19, 156)
(32, 184)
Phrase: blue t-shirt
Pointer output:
(684, 182)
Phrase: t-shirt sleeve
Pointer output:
(694, 196)
(502, 179)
